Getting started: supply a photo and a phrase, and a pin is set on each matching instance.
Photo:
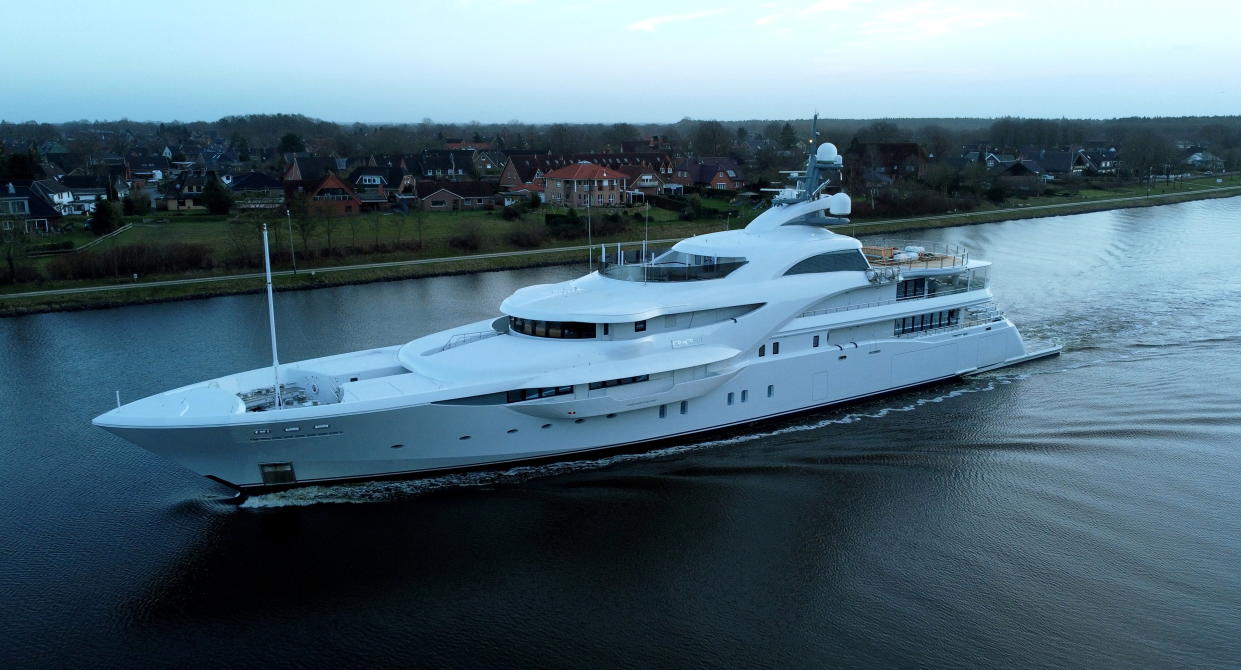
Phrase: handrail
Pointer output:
(990, 318)
(466, 338)
(881, 303)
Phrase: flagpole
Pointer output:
(271, 320)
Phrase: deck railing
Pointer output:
(466, 338)
(881, 303)
(892, 253)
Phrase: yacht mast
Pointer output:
(271, 320)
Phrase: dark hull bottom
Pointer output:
(243, 492)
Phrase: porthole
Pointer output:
(841, 358)
(512, 430)
(464, 437)
(578, 420)
(547, 425)
(397, 446)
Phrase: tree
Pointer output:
(618, 133)
(15, 243)
(217, 198)
(290, 142)
(105, 217)
(788, 138)
(711, 139)
(880, 131)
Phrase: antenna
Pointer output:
(271, 320)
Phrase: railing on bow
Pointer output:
(466, 338)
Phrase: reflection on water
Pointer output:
(1077, 511)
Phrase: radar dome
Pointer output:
(826, 152)
(840, 204)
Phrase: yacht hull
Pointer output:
(431, 437)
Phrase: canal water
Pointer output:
(1080, 511)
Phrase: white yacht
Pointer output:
(719, 330)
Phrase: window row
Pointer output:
(921, 322)
(521, 395)
(594, 386)
(570, 330)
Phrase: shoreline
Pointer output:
(70, 300)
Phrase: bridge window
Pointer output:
(834, 261)
(522, 395)
(595, 386)
(565, 330)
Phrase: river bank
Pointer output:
(172, 289)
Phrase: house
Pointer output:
(54, 193)
(488, 163)
(586, 185)
(1205, 160)
(148, 167)
(440, 196)
(377, 187)
(530, 167)
(447, 164)
(330, 196)
(1062, 163)
(186, 192)
(256, 190)
(521, 194)
(22, 211)
(304, 169)
(714, 172)
(1022, 176)
(86, 190)
(643, 180)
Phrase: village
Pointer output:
(686, 179)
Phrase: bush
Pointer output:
(141, 259)
(666, 202)
(510, 213)
(469, 238)
(527, 236)
(565, 226)
(611, 224)
(51, 246)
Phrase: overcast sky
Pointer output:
(543, 61)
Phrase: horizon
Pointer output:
(600, 64)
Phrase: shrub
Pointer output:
(527, 236)
(469, 238)
(141, 259)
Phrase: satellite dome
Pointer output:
(826, 152)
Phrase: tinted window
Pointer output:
(835, 261)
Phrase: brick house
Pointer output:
(714, 172)
(331, 196)
(531, 168)
(440, 196)
(643, 179)
(586, 185)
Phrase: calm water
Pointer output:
(1083, 511)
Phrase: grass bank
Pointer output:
(436, 256)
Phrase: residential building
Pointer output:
(22, 211)
(586, 185)
(442, 196)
